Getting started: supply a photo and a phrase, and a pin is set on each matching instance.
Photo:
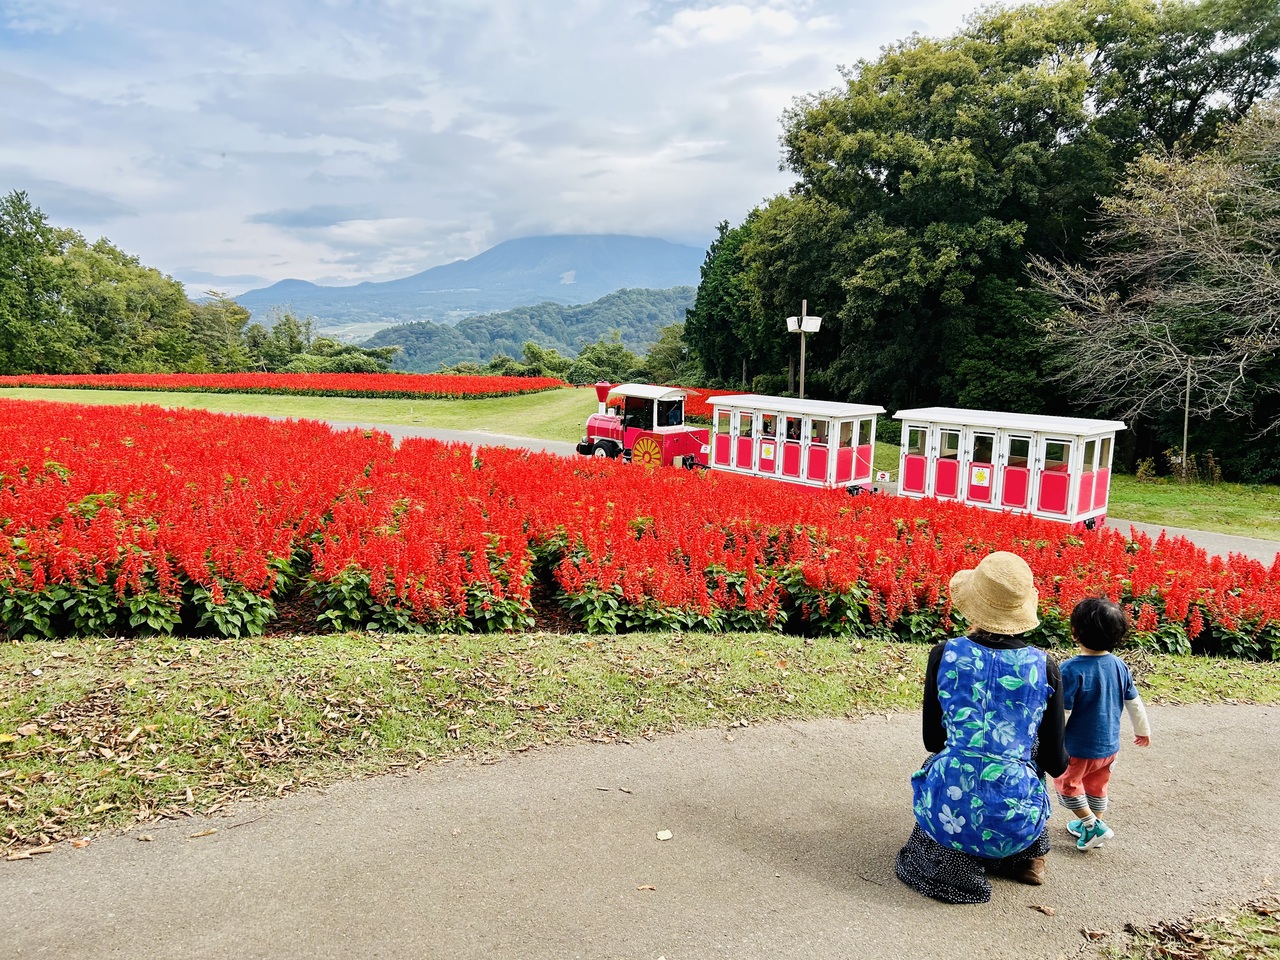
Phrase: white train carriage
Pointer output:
(813, 443)
(1053, 467)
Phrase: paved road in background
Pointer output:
(1216, 543)
(782, 844)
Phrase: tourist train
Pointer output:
(1058, 468)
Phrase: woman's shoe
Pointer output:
(1033, 872)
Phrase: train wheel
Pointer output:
(603, 449)
(647, 452)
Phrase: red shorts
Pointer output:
(1085, 777)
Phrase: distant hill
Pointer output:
(561, 269)
(636, 314)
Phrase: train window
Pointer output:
(846, 433)
(769, 425)
(819, 429)
(670, 413)
(722, 422)
(1090, 449)
(1019, 451)
(915, 440)
(639, 413)
(1104, 458)
(744, 424)
(793, 428)
(864, 433)
(983, 446)
(949, 445)
(1057, 454)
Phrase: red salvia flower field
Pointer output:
(407, 385)
(136, 519)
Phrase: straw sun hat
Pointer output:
(999, 595)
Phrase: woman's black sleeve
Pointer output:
(1053, 751)
(935, 734)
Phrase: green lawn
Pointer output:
(1249, 932)
(94, 735)
(1244, 510)
(551, 415)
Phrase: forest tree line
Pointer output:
(947, 190)
(71, 306)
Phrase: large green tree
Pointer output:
(1178, 316)
(38, 331)
(927, 180)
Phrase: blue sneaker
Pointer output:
(1073, 828)
(1094, 836)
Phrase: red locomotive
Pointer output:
(644, 424)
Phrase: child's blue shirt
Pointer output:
(1094, 689)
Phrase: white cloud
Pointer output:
(216, 140)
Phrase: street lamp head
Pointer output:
(793, 324)
(810, 324)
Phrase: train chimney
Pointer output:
(602, 393)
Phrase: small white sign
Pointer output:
(766, 449)
(979, 476)
(883, 476)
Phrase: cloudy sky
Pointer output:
(234, 143)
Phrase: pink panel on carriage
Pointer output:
(1055, 487)
(844, 465)
(977, 492)
(817, 463)
(746, 460)
(1015, 487)
(722, 449)
(913, 473)
(1084, 502)
(946, 478)
(1101, 487)
(791, 459)
(863, 469)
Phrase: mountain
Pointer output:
(561, 269)
(636, 314)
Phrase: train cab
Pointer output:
(1058, 468)
(644, 424)
(813, 443)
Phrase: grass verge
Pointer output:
(1252, 931)
(122, 732)
(550, 415)
(1245, 510)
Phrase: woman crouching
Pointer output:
(993, 724)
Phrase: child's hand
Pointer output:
(1142, 741)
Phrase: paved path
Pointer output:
(782, 847)
(1216, 543)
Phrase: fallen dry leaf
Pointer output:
(1095, 934)
(28, 730)
(145, 838)
(1047, 911)
(665, 834)
(646, 886)
(80, 842)
(204, 833)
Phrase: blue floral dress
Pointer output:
(981, 794)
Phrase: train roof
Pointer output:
(647, 391)
(813, 408)
(1075, 426)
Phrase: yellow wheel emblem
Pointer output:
(647, 452)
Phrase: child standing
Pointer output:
(1096, 686)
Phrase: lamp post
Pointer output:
(803, 324)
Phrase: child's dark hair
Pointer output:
(1098, 624)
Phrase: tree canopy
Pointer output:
(1180, 307)
(928, 180)
(70, 306)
